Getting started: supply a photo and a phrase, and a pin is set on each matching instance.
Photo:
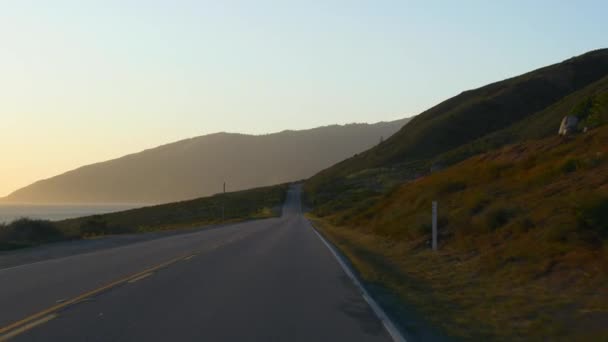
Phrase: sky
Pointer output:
(86, 81)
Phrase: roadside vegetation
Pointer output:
(222, 208)
(523, 251)
(27, 232)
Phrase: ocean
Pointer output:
(10, 212)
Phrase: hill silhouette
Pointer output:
(199, 166)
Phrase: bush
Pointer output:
(451, 186)
(525, 224)
(498, 217)
(592, 214)
(478, 203)
(3, 233)
(27, 232)
(497, 170)
(560, 233)
(97, 225)
(583, 109)
(423, 229)
(569, 166)
(36, 231)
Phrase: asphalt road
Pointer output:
(266, 280)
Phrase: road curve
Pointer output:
(266, 280)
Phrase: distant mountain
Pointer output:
(513, 110)
(198, 167)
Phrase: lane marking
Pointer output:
(189, 257)
(27, 327)
(140, 277)
(386, 321)
(38, 318)
(81, 297)
(196, 230)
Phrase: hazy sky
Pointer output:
(84, 81)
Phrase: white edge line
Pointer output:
(386, 321)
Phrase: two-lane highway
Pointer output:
(266, 280)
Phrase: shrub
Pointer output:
(530, 162)
(420, 225)
(26, 232)
(478, 203)
(583, 109)
(592, 214)
(560, 233)
(496, 170)
(97, 225)
(451, 186)
(593, 112)
(3, 232)
(569, 166)
(34, 231)
(595, 160)
(422, 229)
(498, 217)
(525, 224)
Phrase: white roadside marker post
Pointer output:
(434, 225)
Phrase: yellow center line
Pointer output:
(141, 277)
(76, 299)
(27, 327)
(46, 315)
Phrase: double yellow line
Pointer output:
(46, 315)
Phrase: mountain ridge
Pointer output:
(462, 120)
(196, 156)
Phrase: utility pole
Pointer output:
(224, 204)
(434, 225)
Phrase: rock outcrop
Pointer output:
(569, 125)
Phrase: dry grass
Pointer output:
(523, 242)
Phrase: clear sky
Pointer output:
(84, 81)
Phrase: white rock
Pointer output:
(568, 125)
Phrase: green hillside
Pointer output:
(517, 109)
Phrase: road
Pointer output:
(265, 280)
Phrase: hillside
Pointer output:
(198, 167)
(516, 109)
(221, 208)
(522, 244)
(588, 103)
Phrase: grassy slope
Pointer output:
(241, 205)
(540, 125)
(462, 122)
(523, 252)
